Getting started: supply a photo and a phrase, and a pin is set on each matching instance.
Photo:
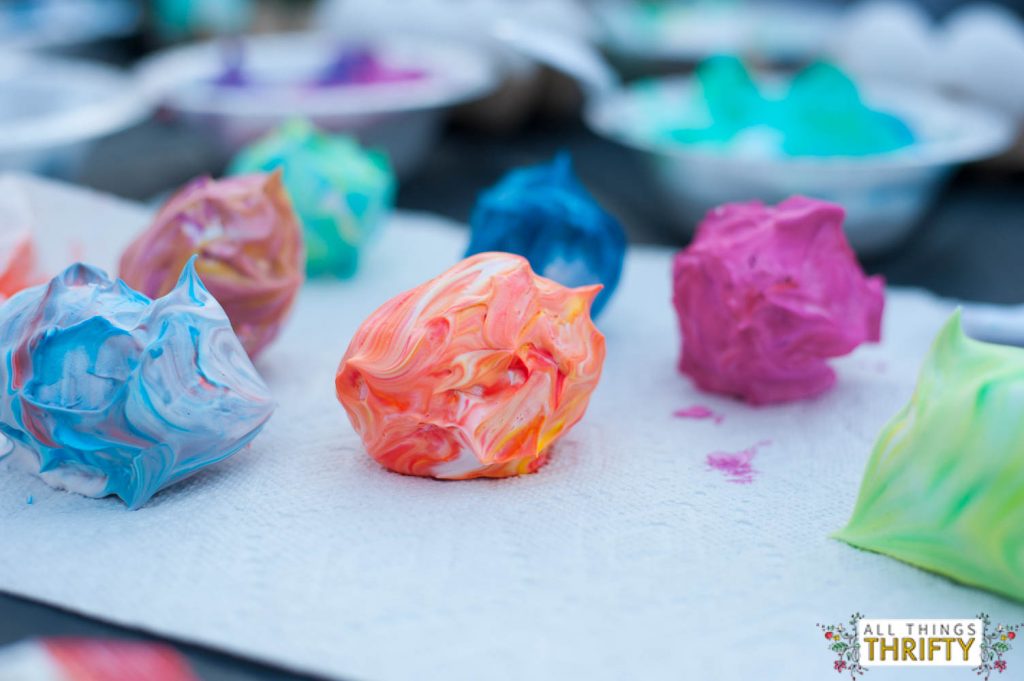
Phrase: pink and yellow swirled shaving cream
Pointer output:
(249, 246)
(475, 373)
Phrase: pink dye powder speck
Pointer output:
(736, 466)
(699, 412)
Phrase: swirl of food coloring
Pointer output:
(944, 488)
(341, 192)
(475, 373)
(766, 294)
(248, 244)
(110, 392)
(544, 214)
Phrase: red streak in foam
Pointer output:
(736, 466)
(698, 412)
(108, 660)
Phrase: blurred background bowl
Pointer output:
(402, 118)
(53, 109)
(976, 50)
(884, 195)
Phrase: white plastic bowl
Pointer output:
(884, 194)
(403, 118)
(52, 109)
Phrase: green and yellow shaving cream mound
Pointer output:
(944, 489)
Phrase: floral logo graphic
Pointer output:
(995, 641)
(842, 640)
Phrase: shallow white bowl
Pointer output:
(402, 118)
(884, 194)
(52, 109)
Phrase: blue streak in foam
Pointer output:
(104, 384)
(546, 215)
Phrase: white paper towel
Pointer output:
(627, 557)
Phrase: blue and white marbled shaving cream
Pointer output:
(110, 392)
(546, 215)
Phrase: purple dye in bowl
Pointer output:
(350, 66)
(359, 66)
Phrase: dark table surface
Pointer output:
(969, 246)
